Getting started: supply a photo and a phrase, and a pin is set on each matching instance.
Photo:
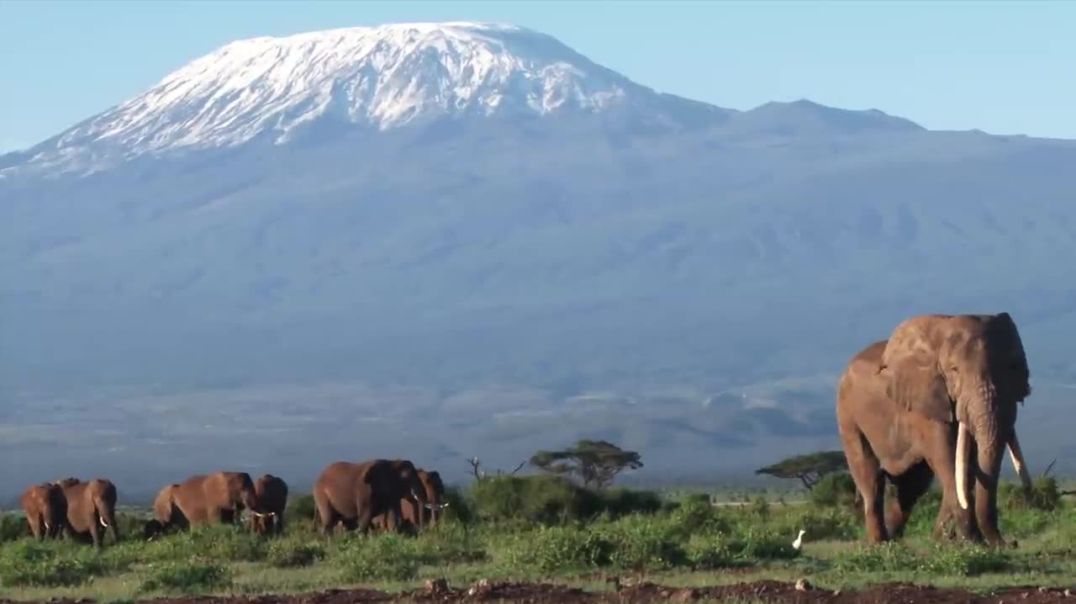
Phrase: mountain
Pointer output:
(444, 240)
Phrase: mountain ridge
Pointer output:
(496, 269)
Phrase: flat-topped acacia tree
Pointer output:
(808, 468)
(595, 463)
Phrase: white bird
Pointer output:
(798, 543)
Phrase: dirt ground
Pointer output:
(630, 592)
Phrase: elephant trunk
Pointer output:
(991, 437)
(106, 517)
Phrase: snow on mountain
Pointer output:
(378, 77)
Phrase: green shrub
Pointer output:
(697, 515)
(643, 543)
(300, 511)
(836, 490)
(623, 502)
(965, 560)
(537, 499)
(219, 543)
(12, 527)
(955, 560)
(186, 577)
(1044, 495)
(459, 507)
(292, 553)
(49, 564)
(554, 549)
(820, 523)
(450, 542)
(388, 557)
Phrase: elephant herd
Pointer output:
(389, 495)
(938, 398)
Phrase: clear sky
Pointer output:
(1001, 67)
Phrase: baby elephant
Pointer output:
(272, 494)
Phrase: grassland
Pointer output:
(684, 543)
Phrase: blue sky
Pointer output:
(1001, 67)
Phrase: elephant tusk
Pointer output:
(1017, 456)
(101, 519)
(962, 465)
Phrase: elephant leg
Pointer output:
(95, 534)
(867, 474)
(365, 518)
(940, 442)
(910, 486)
(326, 516)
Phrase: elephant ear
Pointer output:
(914, 379)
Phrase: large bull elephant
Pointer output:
(272, 493)
(45, 508)
(206, 499)
(91, 508)
(353, 494)
(939, 397)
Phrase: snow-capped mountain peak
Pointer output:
(379, 77)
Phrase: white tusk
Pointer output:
(961, 465)
(102, 520)
(1018, 464)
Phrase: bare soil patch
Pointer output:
(630, 592)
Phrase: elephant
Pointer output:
(91, 508)
(272, 493)
(353, 494)
(938, 398)
(46, 510)
(206, 499)
(434, 489)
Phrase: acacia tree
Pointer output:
(808, 468)
(595, 463)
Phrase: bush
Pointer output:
(553, 500)
(450, 542)
(959, 560)
(1044, 495)
(12, 527)
(537, 499)
(215, 543)
(820, 523)
(36, 564)
(624, 502)
(292, 553)
(555, 549)
(834, 491)
(965, 560)
(300, 511)
(643, 543)
(696, 515)
(388, 557)
(459, 508)
(186, 577)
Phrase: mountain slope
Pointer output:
(495, 265)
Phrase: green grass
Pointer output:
(680, 544)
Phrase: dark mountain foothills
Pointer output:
(683, 279)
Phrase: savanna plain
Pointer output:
(541, 538)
